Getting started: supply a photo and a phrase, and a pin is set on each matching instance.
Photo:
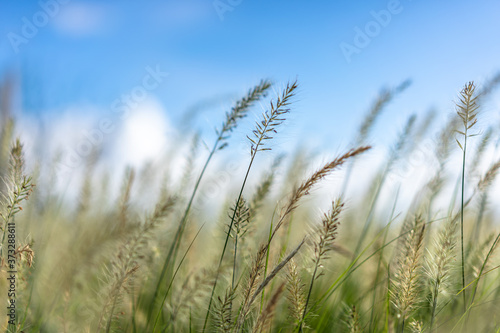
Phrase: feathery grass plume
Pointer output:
(483, 267)
(480, 150)
(397, 152)
(296, 292)
(489, 86)
(402, 242)
(442, 151)
(253, 290)
(405, 283)
(265, 318)
(126, 262)
(223, 319)
(125, 196)
(483, 186)
(7, 130)
(19, 188)
(86, 190)
(421, 131)
(353, 325)
(252, 282)
(304, 189)
(325, 236)
(241, 221)
(25, 253)
(383, 99)
(191, 294)
(489, 177)
(7, 123)
(476, 256)
(467, 111)
(416, 326)
(385, 96)
(271, 120)
(238, 112)
(439, 264)
(189, 164)
(264, 187)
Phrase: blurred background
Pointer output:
(133, 77)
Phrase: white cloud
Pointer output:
(81, 19)
(143, 136)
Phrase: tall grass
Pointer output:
(260, 260)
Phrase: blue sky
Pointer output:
(90, 52)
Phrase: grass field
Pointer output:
(270, 256)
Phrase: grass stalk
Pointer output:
(271, 120)
(467, 111)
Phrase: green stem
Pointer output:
(434, 303)
(462, 218)
(226, 241)
(172, 253)
(308, 297)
